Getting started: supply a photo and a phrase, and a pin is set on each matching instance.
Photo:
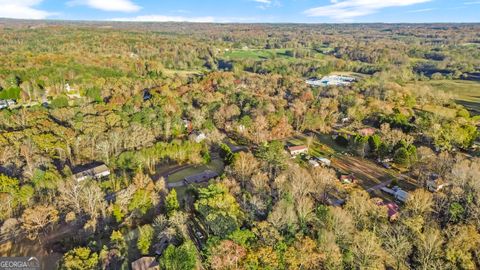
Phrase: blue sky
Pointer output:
(303, 11)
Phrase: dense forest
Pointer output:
(159, 103)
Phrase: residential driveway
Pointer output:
(379, 186)
(176, 184)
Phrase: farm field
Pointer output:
(256, 54)
(466, 93)
(263, 54)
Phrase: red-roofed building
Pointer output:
(392, 209)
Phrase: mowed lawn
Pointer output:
(466, 93)
(215, 165)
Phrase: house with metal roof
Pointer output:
(297, 150)
(200, 178)
(95, 172)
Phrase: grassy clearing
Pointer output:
(467, 93)
(215, 165)
(471, 45)
(321, 150)
(296, 141)
(441, 111)
(327, 141)
(350, 74)
(317, 149)
(256, 54)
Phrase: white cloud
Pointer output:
(107, 5)
(422, 10)
(22, 9)
(163, 18)
(265, 4)
(349, 9)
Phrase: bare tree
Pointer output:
(38, 219)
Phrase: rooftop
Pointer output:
(332, 80)
(91, 170)
(201, 177)
(392, 208)
(297, 148)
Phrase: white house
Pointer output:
(97, 172)
(297, 150)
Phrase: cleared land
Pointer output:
(256, 54)
(467, 93)
(173, 72)
(370, 175)
(215, 165)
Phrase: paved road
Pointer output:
(379, 186)
(176, 184)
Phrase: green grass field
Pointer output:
(255, 54)
(263, 54)
(441, 111)
(215, 165)
(467, 93)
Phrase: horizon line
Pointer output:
(233, 22)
